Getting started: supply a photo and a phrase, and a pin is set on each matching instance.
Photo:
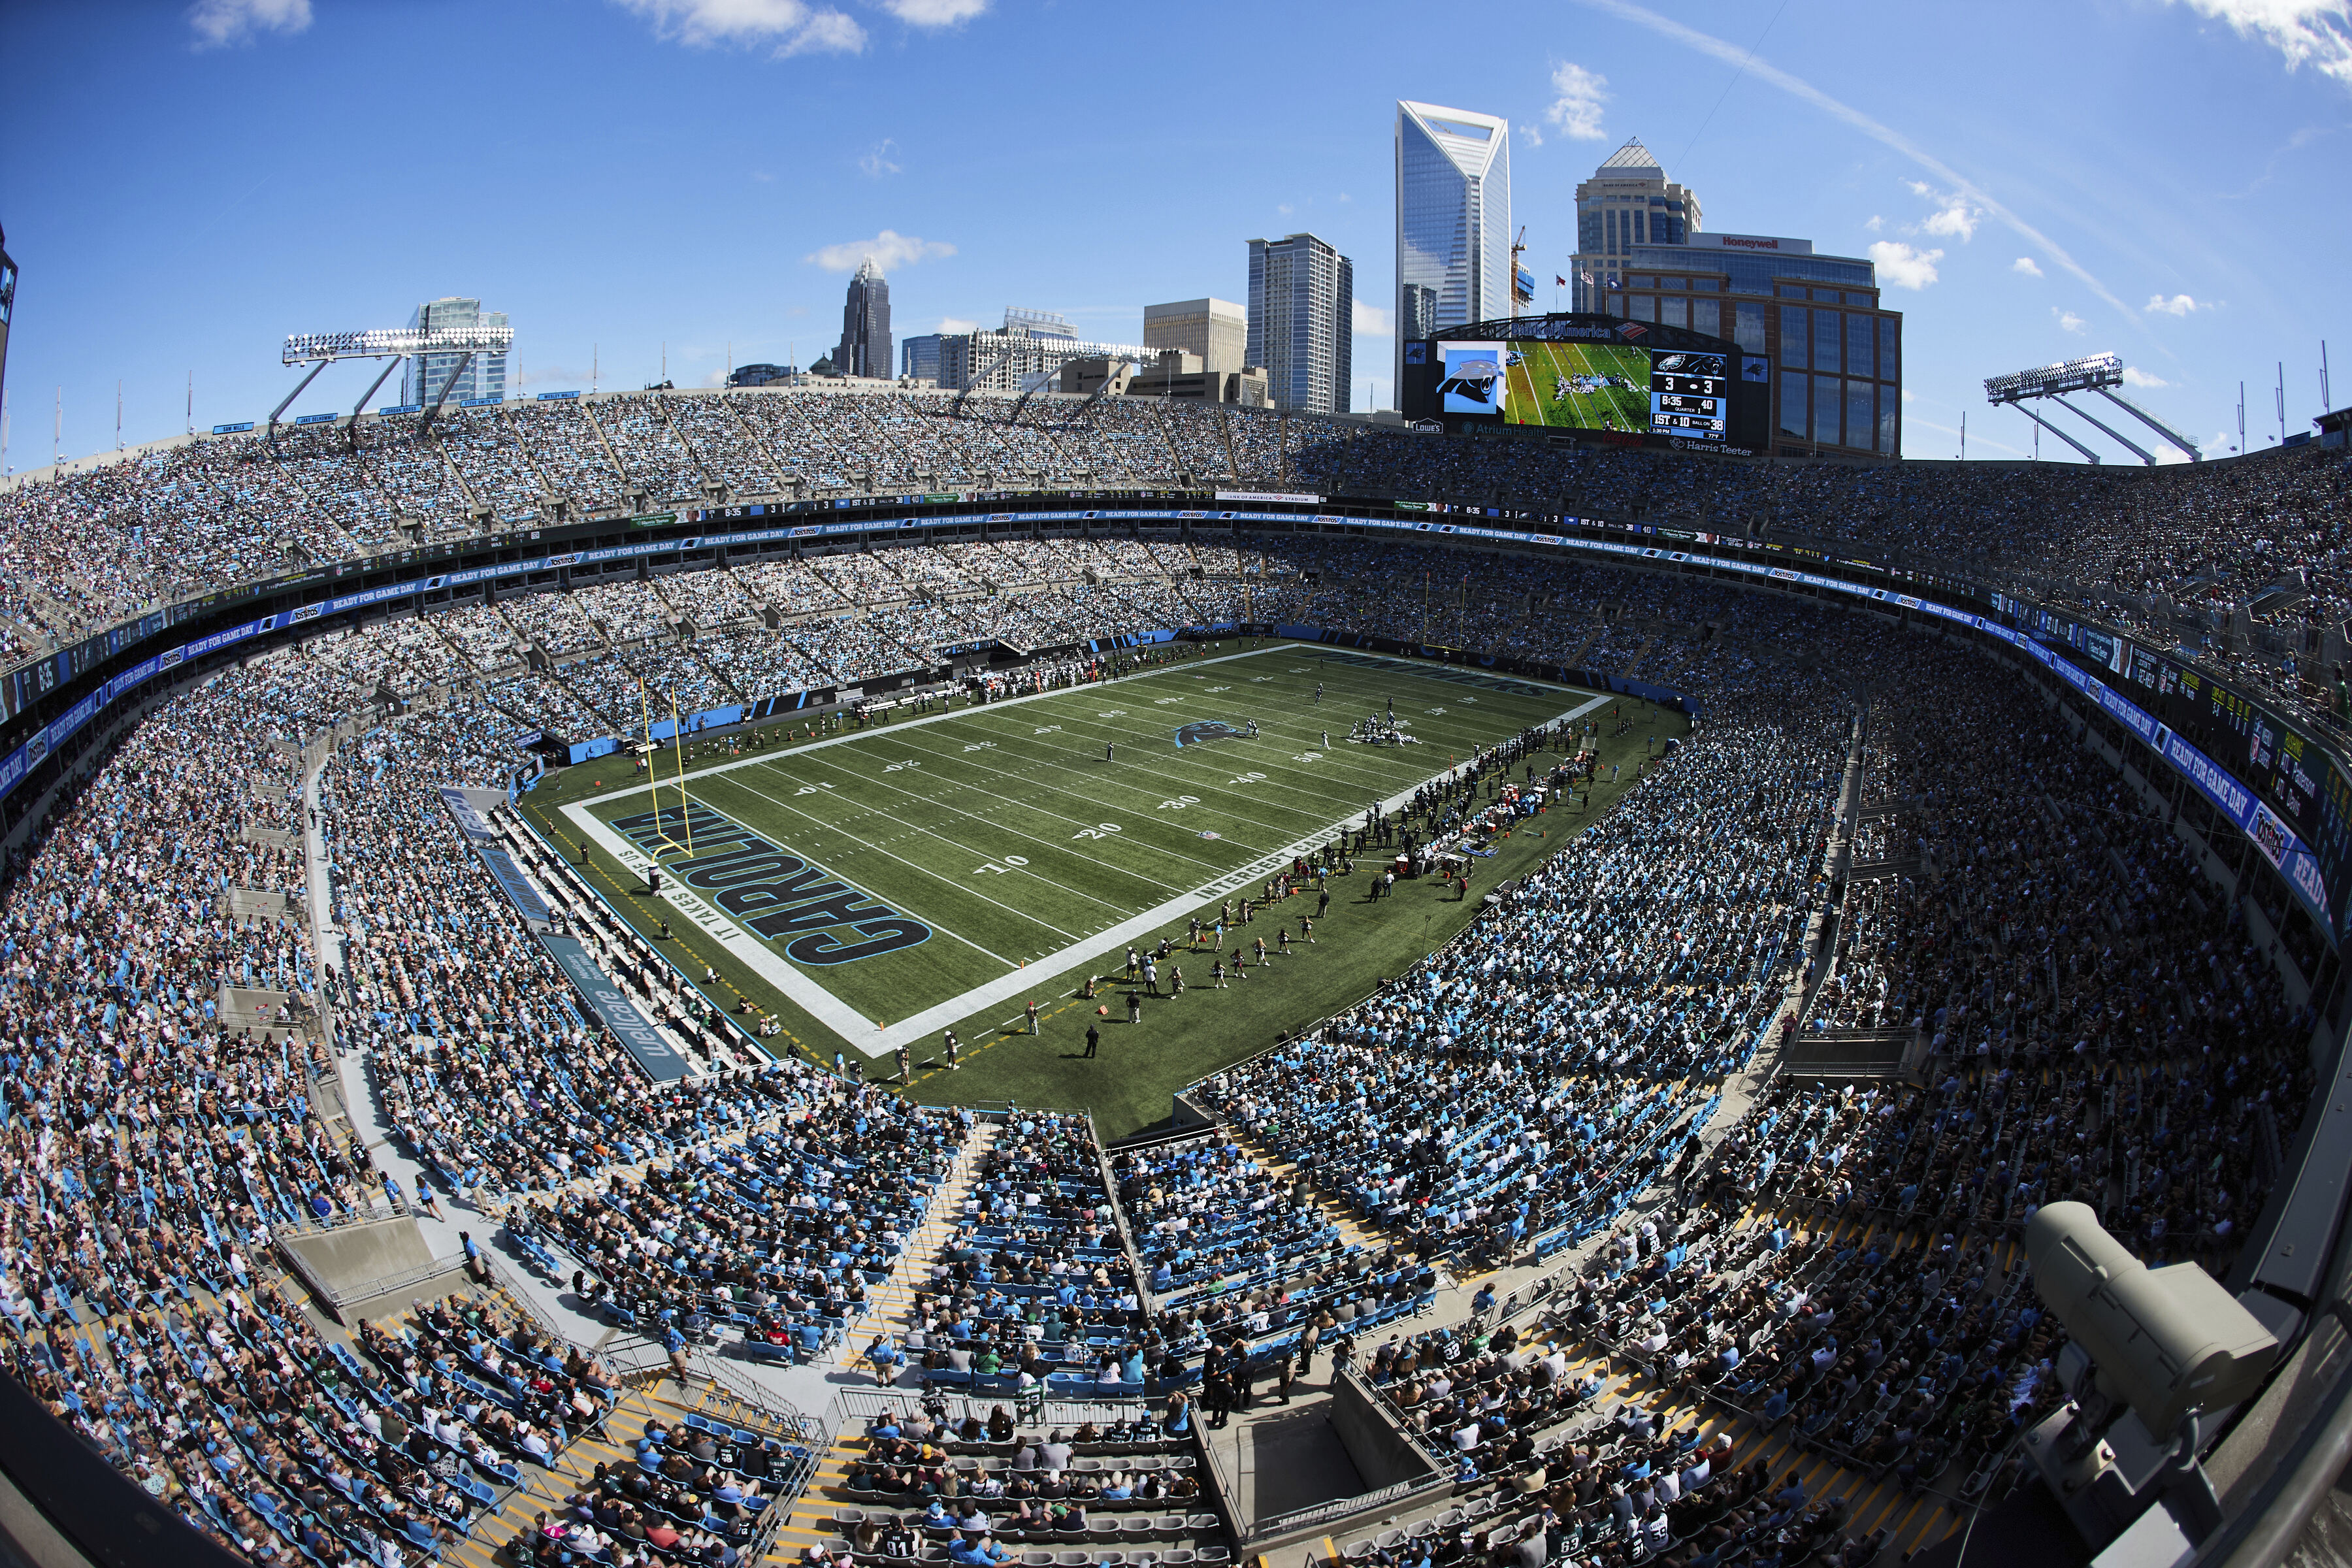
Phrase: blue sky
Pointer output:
(635, 179)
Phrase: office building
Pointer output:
(1453, 218)
(919, 357)
(762, 376)
(1172, 372)
(1302, 296)
(1017, 360)
(1629, 201)
(1038, 323)
(1214, 332)
(422, 377)
(1813, 324)
(866, 325)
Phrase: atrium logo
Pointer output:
(816, 918)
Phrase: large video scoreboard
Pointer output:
(1629, 381)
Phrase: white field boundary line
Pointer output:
(877, 1041)
(847, 736)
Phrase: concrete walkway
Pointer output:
(807, 1389)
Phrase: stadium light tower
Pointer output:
(392, 344)
(8, 306)
(2101, 373)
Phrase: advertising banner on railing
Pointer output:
(485, 843)
(635, 1032)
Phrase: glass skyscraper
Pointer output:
(485, 376)
(866, 325)
(1302, 303)
(1454, 220)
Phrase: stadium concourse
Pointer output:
(1551, 1195)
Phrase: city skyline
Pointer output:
(2005, 246)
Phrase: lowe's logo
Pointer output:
(815, 916)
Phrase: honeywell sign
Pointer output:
(1776, 244)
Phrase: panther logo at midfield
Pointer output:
(1203, 729)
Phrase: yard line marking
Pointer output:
(935, 876)
(1129, 770)
(849, 736)
(1056, 847)
(1005, 988)
(965, 762)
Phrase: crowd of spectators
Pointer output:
(2173, 551)
(781, 1237)
(2098, 1024)
(1033, 1284)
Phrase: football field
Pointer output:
(1606, 387)
(890, 881)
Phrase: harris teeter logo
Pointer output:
(816, 917)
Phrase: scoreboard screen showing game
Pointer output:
(1642, 384)
(1589, 386)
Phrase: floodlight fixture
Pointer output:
(2100, 373)
(393, 343)
(2066, 375)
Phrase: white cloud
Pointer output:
(1877, 224)
(889, 251)
(794, 27)
(1903, 267)
(2026, 265)
(2179, 305)
(876, 162)
(934, 12)
(2067, 320)
(2134, 376)
(1909, 395)
(1283, 208)
(956, 324)
(2314, 32)
(1371, 321)
(1576, 111)
(1529, 134)
(1953, 216)
(219, 22)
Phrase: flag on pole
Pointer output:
(1586, 276)
(1557, 281)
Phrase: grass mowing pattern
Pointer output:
(915, 813)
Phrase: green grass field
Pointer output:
(877, 887)
(1588, 406)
